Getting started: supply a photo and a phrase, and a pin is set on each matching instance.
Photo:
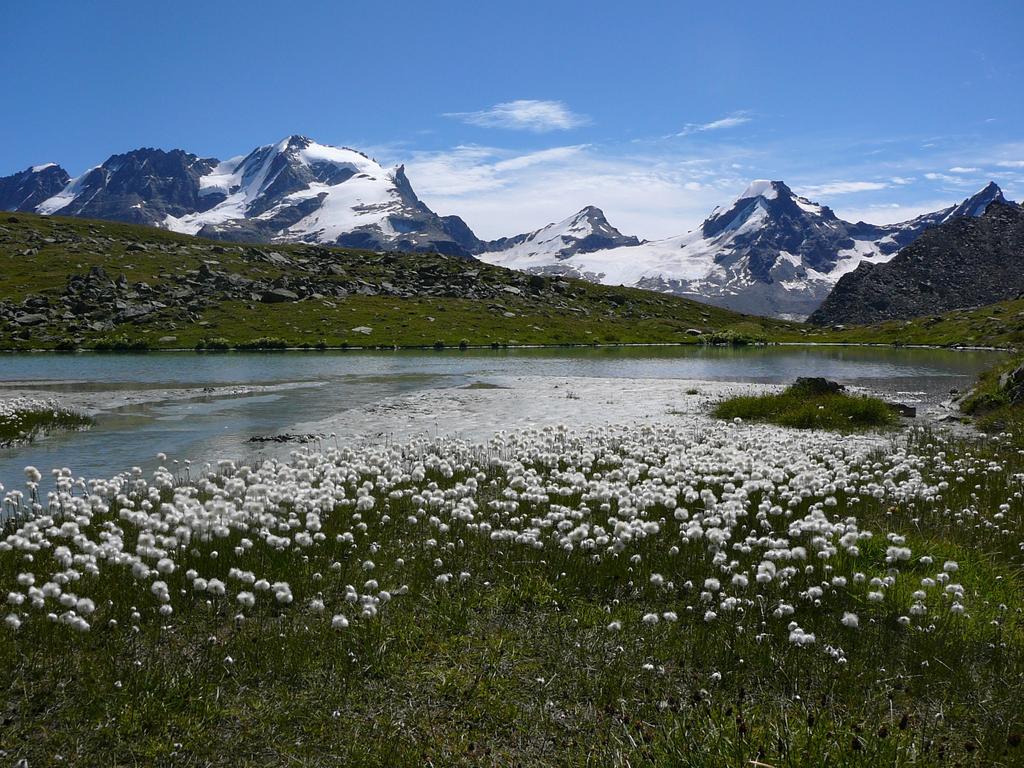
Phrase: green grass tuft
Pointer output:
(802, 410)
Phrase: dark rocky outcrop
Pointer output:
(965, 262)
(816, 385)
(25, 190)
(143, 186)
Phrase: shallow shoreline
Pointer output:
(496, 404)
(99, 401)
(456, 348)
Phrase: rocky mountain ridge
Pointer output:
(293, 191)
(772, 252)
(965, 261)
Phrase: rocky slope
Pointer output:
(964, 262)
(293, 191)
(771, 252)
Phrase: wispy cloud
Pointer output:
(503, 192)
(962, 169)
(660, 188)
(960, 180)
(524, 115)
(844, 187)
(890, 213)
(472, 170)
(541, 157)
(730, 121)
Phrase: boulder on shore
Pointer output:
(817, 385)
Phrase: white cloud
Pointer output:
(844, 187)
(730, 121)
(539, 158)
(501, 192)
(524, 115)
(471, 170)
(658, 188)
(962, 169)
(945, 178)
(1011, 163)
(890, 213)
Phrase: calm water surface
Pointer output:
(215, 427)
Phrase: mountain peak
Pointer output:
(769, 190)
(976, 204)
(590, 213)
(586, 231)
(296, 141)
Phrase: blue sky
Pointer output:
(515, 114)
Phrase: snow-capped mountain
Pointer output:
(294, 190)
(25, 190)
(771, 252)
(584, 232)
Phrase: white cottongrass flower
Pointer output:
(850, 620)
(800, 637)
(339, 622)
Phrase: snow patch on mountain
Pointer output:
(760, 188)
(362, 192)
(66, 196)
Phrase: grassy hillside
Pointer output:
(178, 291)
(75, 283)
(995, 325)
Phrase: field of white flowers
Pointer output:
(686, 593)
